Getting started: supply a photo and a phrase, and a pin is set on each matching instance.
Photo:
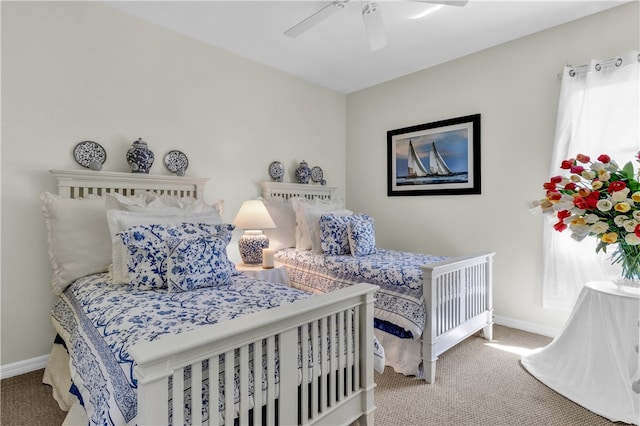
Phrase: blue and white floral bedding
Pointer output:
(399, 300)
(100, 321)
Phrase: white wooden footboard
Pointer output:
(340, 386)
(458, 298)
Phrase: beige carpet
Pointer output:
(476, 384)
(479, 384)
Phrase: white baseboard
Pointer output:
(527, 326)
(22, 367)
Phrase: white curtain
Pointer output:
(598, 113)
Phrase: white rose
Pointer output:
(619, 196)
(599, 227)
(632, 239)
(619, 220)
(630, 225)
(604, 205)
(591, 218)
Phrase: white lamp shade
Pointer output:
(253, 215)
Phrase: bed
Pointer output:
(425, 304)
(193, 352)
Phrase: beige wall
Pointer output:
(74, 71)
(79, 70)
(515, 87)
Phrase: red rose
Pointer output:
(566, 164)
(616, 186)
(577, 170)
(556, 179)
(604, 158)
(563, 214)
(560, 226)
(553, 195)
(570, 186)
(637, 229)
(592, 199)
(584, 159)
(549, 186)
(580, 203)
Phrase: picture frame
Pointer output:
(438, 158)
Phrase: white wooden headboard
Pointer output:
(80, 183)
(292, 190)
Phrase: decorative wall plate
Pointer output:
(176, 162)
(90, 154)
(317, 174)
(276, 171)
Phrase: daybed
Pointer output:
(185, 354)
(425, 304)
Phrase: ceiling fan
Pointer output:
(370, 15)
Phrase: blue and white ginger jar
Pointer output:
(140, 157)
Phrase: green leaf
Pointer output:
(628, 171)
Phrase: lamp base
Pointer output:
(250, 245)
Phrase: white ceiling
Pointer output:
(335, 53)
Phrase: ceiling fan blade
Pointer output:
(374, 26)
(312, 20)
(445, 2)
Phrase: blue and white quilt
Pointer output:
(100, 321)
(399, 300)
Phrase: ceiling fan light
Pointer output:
(427, 12)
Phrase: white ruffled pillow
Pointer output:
(282, 213)
(120, 220)
(148, 200)
(308, 214)
(78, 237)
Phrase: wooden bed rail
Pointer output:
(343, 378)
(458, 297)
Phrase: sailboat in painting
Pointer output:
(437, 165)
(414, 164)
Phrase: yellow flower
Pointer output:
(578, 220)
(622, 207)
(636, 197)
(609, 237)
(596, 184)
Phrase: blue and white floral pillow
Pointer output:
(334, 236)
(195, 263)
(148, 252)
(362, 239)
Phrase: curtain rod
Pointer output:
(617, 61)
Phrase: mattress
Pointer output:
(100, 321)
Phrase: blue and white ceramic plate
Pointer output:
(176, 162)
(276, 171)
(90, 154)
(317, 174)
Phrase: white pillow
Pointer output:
(120, 220)
(151, 201)
(281, 211)
(308, 214)
(78, 237)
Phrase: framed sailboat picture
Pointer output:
(439, 158)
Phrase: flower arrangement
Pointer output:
(600, 199)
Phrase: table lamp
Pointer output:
(253, 217)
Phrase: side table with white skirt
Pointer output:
(277, 274)
(595, 361)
